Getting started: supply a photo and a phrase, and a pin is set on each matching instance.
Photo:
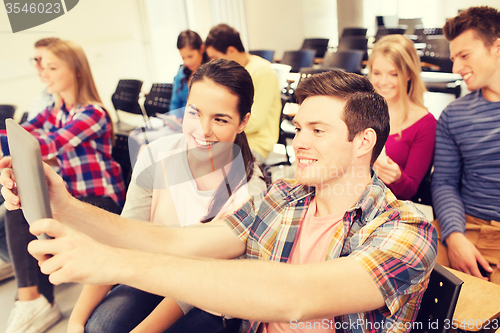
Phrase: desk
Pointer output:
(439, 77)
(478, 304)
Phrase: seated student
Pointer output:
(76, 132)
(218, 109)
(334, 247)
(193, 55)
(466, 181)
(224, 42)
(395, 73)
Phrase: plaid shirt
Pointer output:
(81, 143)
(389, 238)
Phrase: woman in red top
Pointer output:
(395, 73)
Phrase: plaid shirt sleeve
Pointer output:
(398, 250)
(33, 126)
(241, 221)
(89, 124)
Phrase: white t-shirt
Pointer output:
(163, 189)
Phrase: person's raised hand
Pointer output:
(8, 181)
(387, 170)
(58, 195)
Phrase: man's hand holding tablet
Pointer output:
(27, 176)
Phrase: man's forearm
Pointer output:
(256, 290)
(112, 229)
(212, 240)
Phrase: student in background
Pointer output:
(466, 179)
(217, 111)
(395, 73)
(224, 42)
(192, 51)
(76, 132)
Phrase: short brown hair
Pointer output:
(484, 20)
(46, 41)
(364, 108)
(223, 36)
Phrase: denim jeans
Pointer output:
(26, 268)
(125, 307)
(199, 321)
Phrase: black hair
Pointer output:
(190, 39)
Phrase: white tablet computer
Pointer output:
(28, 170)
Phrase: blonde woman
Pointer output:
(394, 70)
(76, 134)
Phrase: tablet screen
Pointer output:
(28, 170)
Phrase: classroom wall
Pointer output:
(109, 31)
(320, 19)
(122, 37)
(274, 25)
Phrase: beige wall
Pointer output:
(110, 33)
(274, 25)
(116, 40)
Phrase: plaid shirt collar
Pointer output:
(284, 209)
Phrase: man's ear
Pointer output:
(365, 142)
(231, 50)
(496, 47)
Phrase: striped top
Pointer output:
(390, 238)
(80, 140)
(466, 177)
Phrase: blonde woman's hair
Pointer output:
(400, 51)
(86, 91)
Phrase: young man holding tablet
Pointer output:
(360, 258)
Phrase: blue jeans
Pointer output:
(125, 307)
(199, 321)
(122, 310)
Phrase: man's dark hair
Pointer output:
(46, 41)
(223, 36)
(483, 20)
(364, 108)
